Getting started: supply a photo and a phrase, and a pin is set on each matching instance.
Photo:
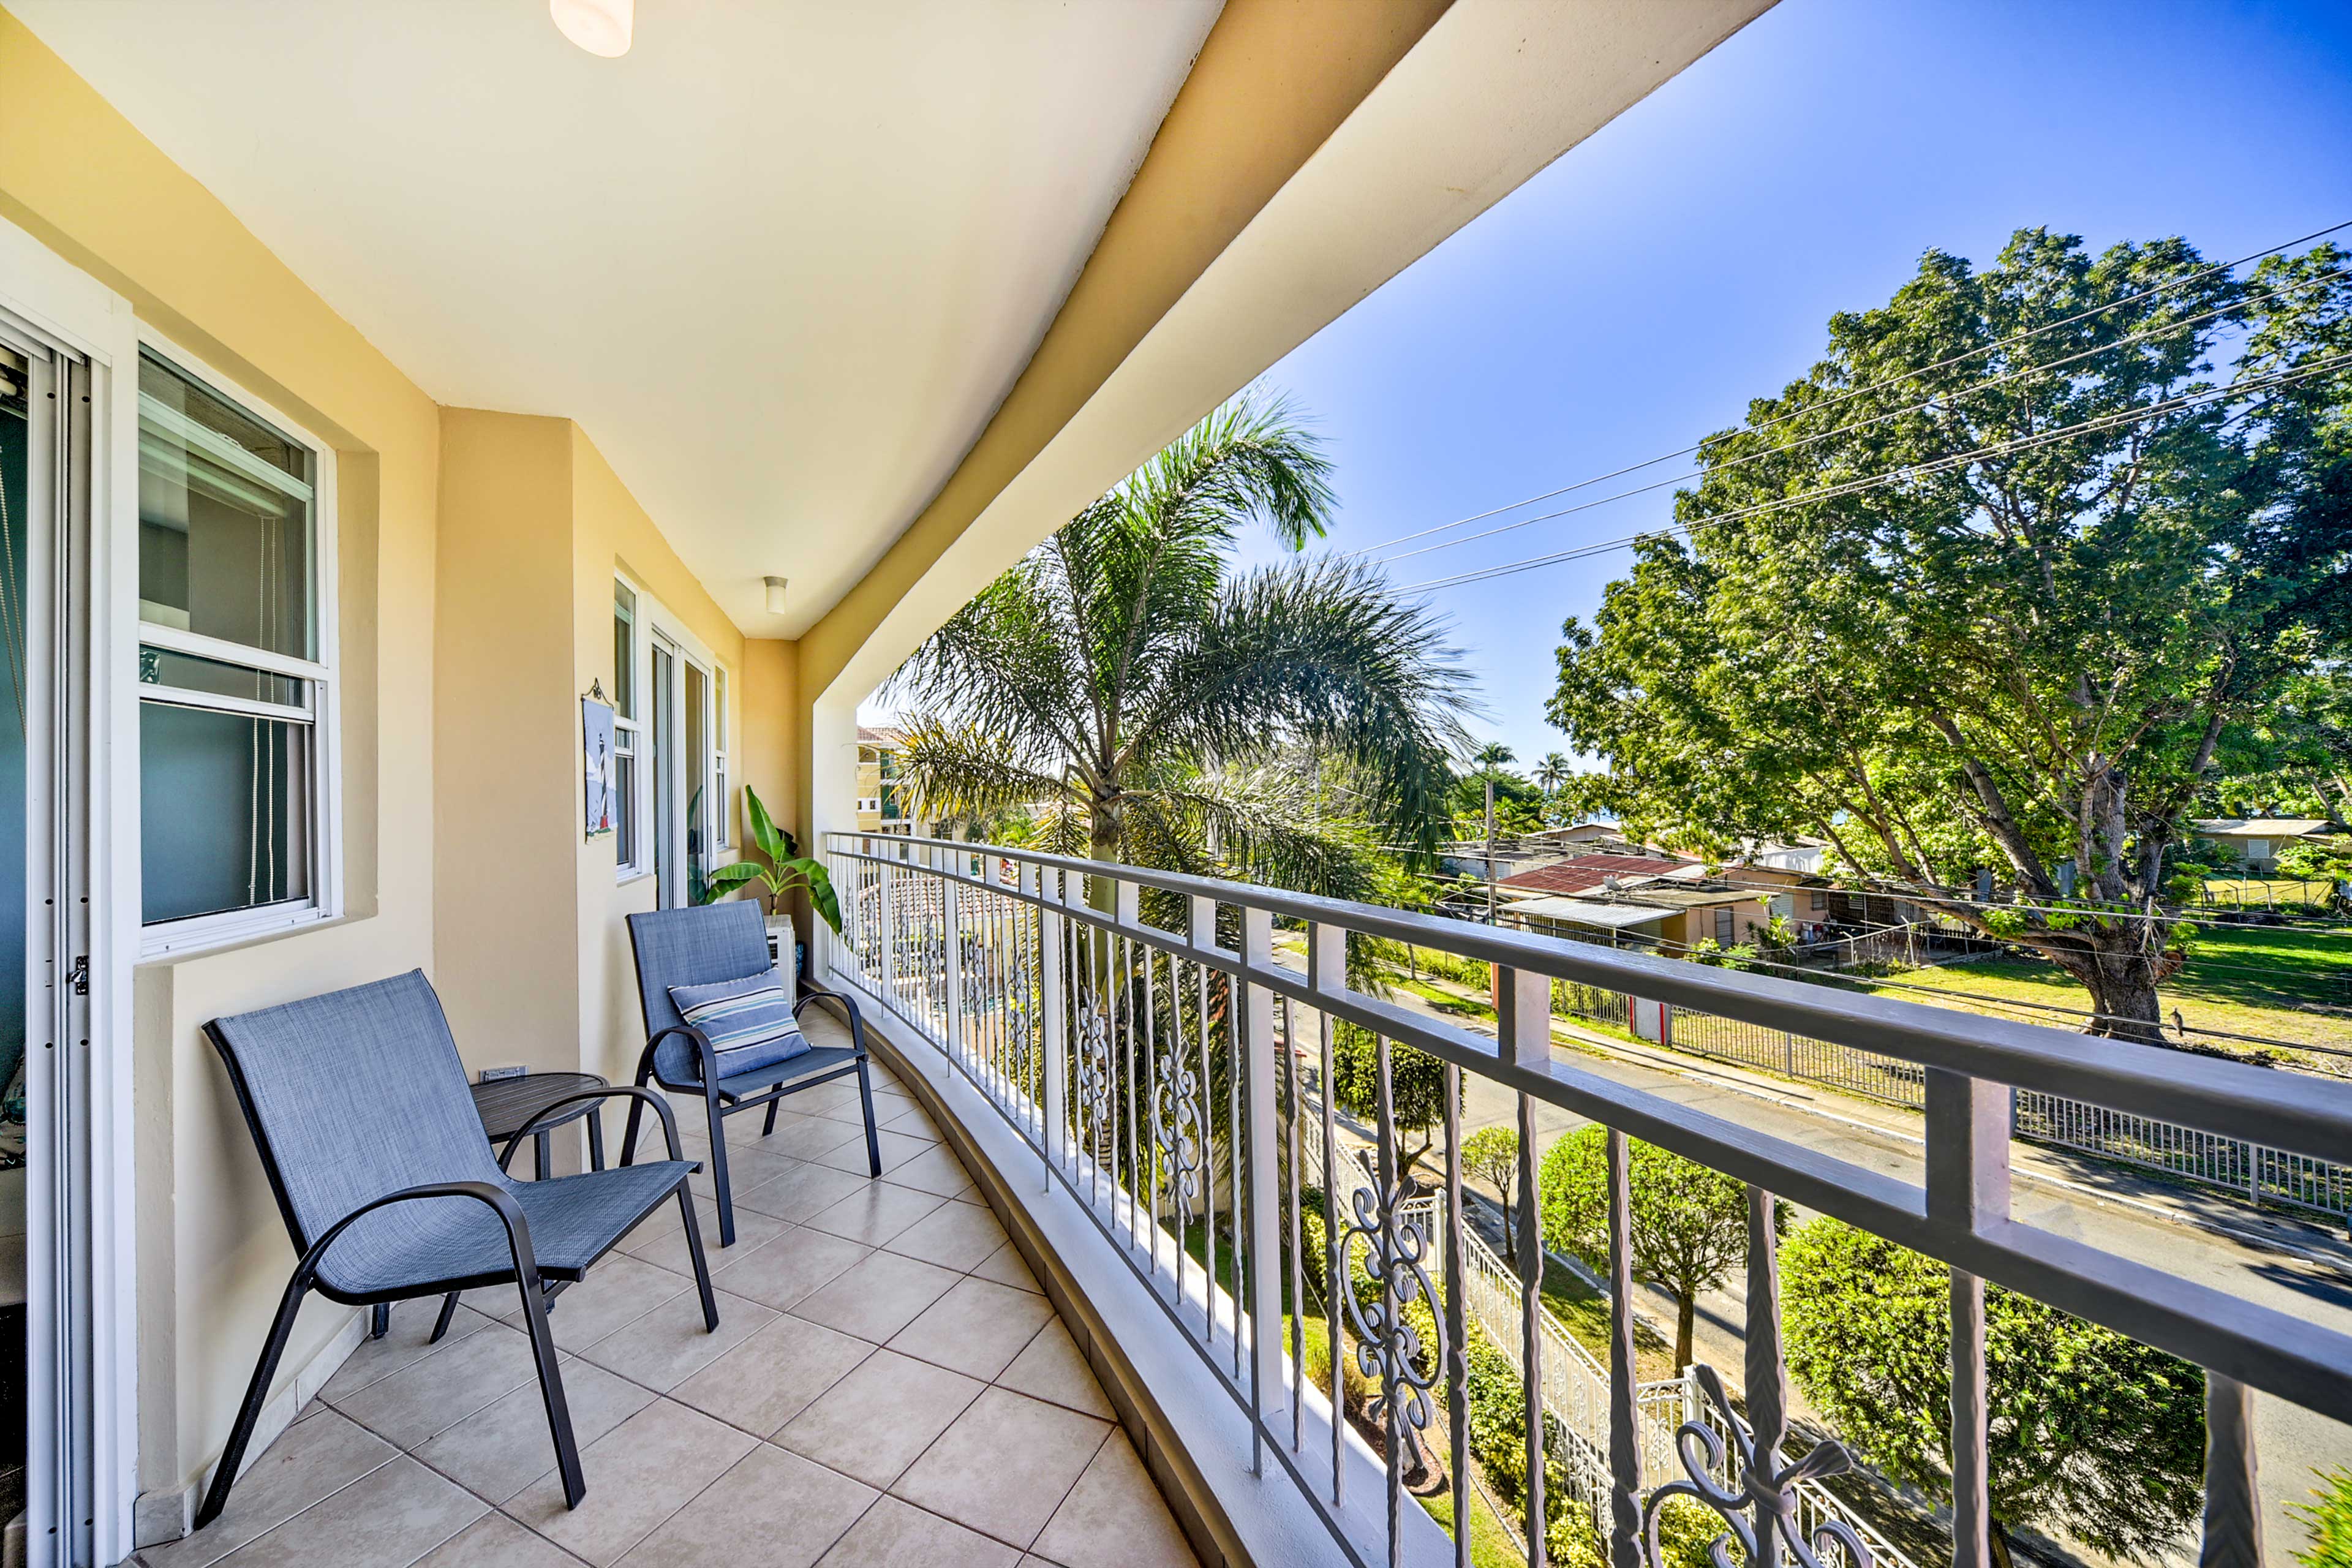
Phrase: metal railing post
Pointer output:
(1967, 1182)
(886, 917)
(1523, 1021)
(1053, 952)
(1262, 1125)
(952, 954)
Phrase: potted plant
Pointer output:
(785, 870)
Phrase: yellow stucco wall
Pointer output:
(212, 1254)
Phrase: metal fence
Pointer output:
(1123, 1024)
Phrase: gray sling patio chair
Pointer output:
(705, 945)
(358, 1105)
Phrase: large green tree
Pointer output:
(2091, 1432)
(1152, 700)
(2099, 562)
(1688, 1227)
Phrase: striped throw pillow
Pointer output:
(749, 1022)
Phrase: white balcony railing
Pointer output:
(1132, 1030)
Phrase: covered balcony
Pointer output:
(472, 482)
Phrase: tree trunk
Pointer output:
(1510, 1240)
(2121, 971)
(1685, 1320)
(1997, 1543)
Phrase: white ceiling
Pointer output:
(781, 260)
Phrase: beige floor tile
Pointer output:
(797, 1262)
(745, 1129)
(933, 1170)
(895, 1535)
(848, 1108)
(953, 1235)
(976, 1329)
(914, 1122)
(494, 1541)
(436, 1393)
(1053, 1368)
(402, 1344)
(827, 1100)
(387, 1518)
(801, 1190)
(874, 1214)
(1115, 1518)
(662, 1350)
(773, 1375)
(317, 1456)
(503, 1447)
(746, 1168)
(874, 1423)
(638, 1474)
(1007, 1267)
(773, 1509)
(665, 1247)
(967, 1476)
(881, 1295)
(896, 1149)
(808, 1136)
(617, 1292)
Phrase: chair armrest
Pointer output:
(707, 1057)
(848, 1007)
(623, 1091)
(501, 1203)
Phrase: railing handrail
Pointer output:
(2280, 1110)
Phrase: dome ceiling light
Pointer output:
(600, 26)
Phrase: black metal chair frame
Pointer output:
(719, 1104)
(537, 1291)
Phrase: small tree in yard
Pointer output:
(1492, 1154)
(2328, 1520)
(2091, 1431)
(1416, 1087)
(1689, 1223)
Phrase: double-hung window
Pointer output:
(235, 677)
(628, 831)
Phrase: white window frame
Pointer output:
(320, 676)
(628, 748)
(722, 817)
(654, 621)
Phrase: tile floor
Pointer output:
(887, 1386)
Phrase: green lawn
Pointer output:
(1491, 1545)
(2247, 980)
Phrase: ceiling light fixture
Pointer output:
(775, 594)
(600, 26)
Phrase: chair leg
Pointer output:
(694, 1250)
(380, 1320)
(441, 1323)
(550, 1388)
(629, 1138)
(772, 1105)
(255, 1394)
(866, 1098)
(719, 1173)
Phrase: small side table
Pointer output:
(506, 1105)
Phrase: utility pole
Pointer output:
(1490, 846)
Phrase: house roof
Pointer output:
(1583, 873)
(2264, 827)
(880, 735)
(1590, 912)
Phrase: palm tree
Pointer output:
(1121, 681)
(1491, 757)
(1551, 772)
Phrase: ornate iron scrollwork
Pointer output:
(1095, 1087)
(1388, 1347)
(1176, 1122)
(1768, 1491)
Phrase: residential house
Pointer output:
(2254, 842)
(881, 802)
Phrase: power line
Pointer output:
(1914, 470)
(1923, 405)
(1875, 386)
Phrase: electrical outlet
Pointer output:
(492, 1074)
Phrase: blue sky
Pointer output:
(1633, 296)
